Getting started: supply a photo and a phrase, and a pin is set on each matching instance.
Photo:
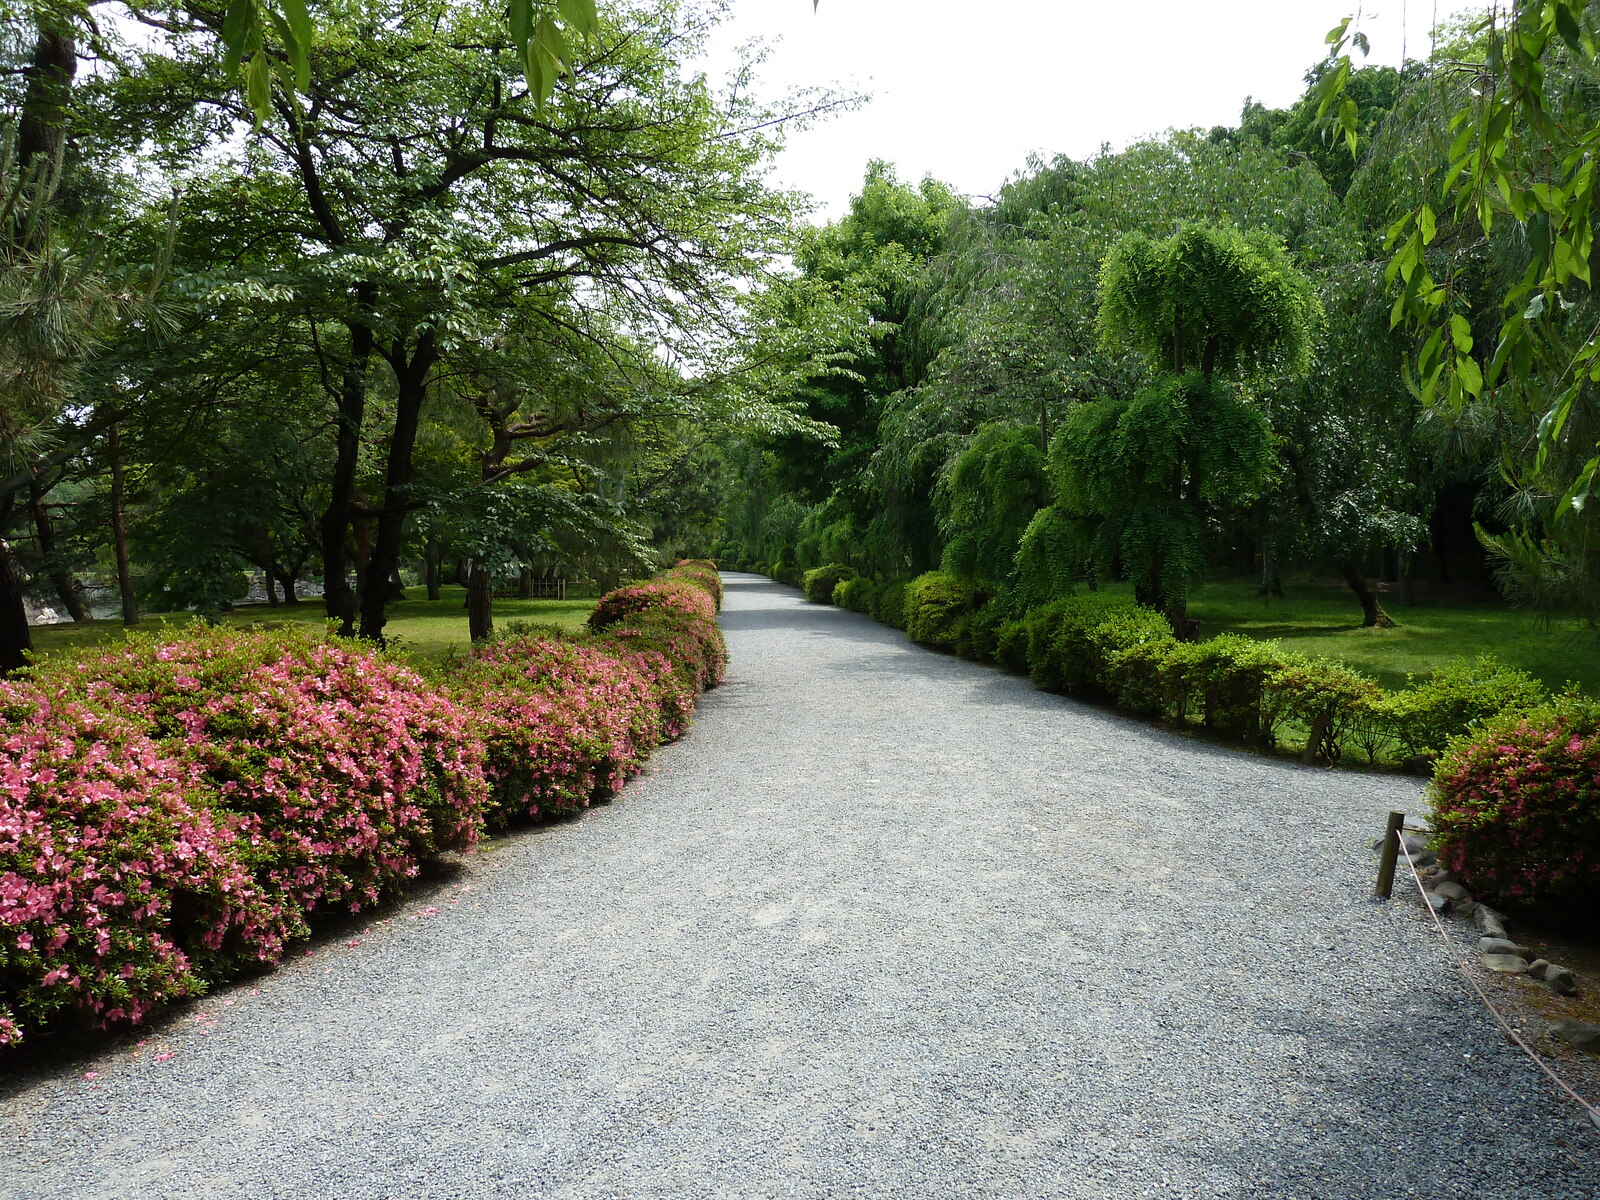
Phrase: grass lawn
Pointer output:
(1324, 619)
(424, 629)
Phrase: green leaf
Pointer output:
(547, 36)
(1567, 26)
(580, 16)
(237, 27)
(1426, 222)
(1535, 308)
(300, 28)
(1460, 333)
(521, 22)
(1469, 375)
(258, 85)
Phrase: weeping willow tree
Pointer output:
(990, 494)
(1210, 308)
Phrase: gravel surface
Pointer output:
(885, 924)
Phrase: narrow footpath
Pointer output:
(884, 924)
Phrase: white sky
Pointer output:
(965, 89)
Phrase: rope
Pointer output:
(1592, 1112)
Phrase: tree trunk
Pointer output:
(1271, 583)
(430, 568)
(271, 586)
(410, 390)
(119, 532)
(1408, 590)
(15, 637)
(525, 583)
(337, 597)
(1372, 612)
(66, 587)
(480, 601)
(290, 584)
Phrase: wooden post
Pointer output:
(1388, 856)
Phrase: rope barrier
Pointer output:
(1590, 1110)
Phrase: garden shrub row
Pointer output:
(1104, 647)
(1516, 789)
(173, 810)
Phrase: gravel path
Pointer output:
(886, 924)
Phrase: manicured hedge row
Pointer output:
(1106, 648)
(172, 810)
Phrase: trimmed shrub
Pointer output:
(340, 768)
(1326, 697)
(1516, 808)
(889, 602)
(1142, 638)
(1011, 645)
(1132, 647)
(1222, 679)
(171, 810)
(1039, 628)
(700, 571)
(856, 594)
(1425, 716)
(1058, 653)
(982, 638)
(115, 876)
(937, 609)
(820, 582)
(564, 723)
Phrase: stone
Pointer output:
(1494, 945)
(1463, 908)
(1506, 964)
(1560, 979)
(1578, 1033)
(1451, 891)
(1489, 922)
(1537, 966)
(1421, 854)
(1437, 902)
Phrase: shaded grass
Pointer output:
(1324, 619)
(426, 630)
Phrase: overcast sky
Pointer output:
(965, 90)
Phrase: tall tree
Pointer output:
(1207, 302)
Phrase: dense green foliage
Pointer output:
(821, 583)
(440, 313)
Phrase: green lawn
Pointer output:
(425, 629)
(1325, 619)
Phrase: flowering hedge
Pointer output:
(171, 811)
(1516, 807)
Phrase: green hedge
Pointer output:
(937, 608)
(1105, 648)
(820, 582)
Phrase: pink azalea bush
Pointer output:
(563, 722)
(115, 877)
(171, 810)
(340, 767)
(566, 721)
(1516, 806)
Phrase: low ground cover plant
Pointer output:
(172, 811)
